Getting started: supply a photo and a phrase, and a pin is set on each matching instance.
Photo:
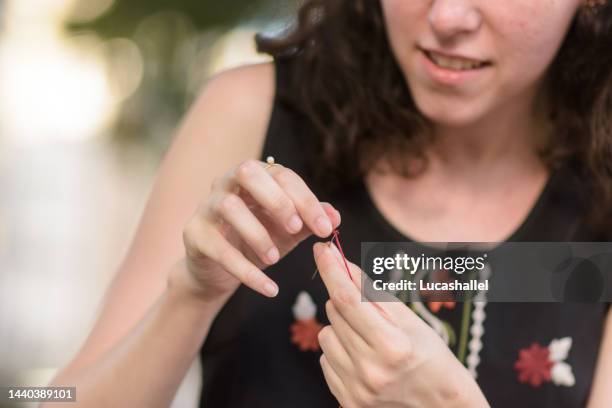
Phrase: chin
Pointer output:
(450, 112)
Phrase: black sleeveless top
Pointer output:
(522, 354)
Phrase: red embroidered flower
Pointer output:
(304, 334)
(534, 365)
(436, 306)
(439, 299)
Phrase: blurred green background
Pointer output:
(91, 92)
(172, 47)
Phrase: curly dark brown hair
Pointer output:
(348, 84)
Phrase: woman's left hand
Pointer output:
(381, 354)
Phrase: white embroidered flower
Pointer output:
(304, 308)
(561, 374)
(559, 348)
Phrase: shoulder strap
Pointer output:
(287, 135)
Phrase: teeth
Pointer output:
(457, 64)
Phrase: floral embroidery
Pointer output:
(533, 365)
(561, 372)
(436, 306)
(442, 275)
(538, 364)
(473, 311)
(305, 330)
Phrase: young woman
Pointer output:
(421, 120)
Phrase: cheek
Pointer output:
(528, 44)
(402, 19)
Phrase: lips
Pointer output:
(452, 70)
(454, 63)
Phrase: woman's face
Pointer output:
(465, 59)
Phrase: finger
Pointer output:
(211, 244)
(335, 351)
(386, 304)
(332, 213)
(335, 384)
(252, 176)
(307, 204)
(361, 316)
(352, 342)
(286, 242)
(235, 212)
(391, 308)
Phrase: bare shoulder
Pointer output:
(252, 82)
(238, 103)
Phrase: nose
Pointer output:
(450, 18)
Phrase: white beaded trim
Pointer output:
(477, 328)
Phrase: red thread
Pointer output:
(337, 238)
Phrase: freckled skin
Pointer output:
(519, 37)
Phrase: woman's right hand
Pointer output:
(255, 214)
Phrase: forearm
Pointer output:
(146, 368)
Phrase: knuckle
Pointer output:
(454, 393)
(245, 169)
(397, 353)
(311, 201)
(189, 231)
(285, 176)
(375, 379)
(343, 297)
(364, 397)
(191, 237)
(198, 252)
(323, 334)
(280, 203)
(229, 202)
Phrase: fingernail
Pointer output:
(324, 226)
(273, 255)
(295, 223)
(271, 289)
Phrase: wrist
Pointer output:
(183, 286)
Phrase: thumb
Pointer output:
(389, 306)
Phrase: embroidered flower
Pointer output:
(534, 365)
(436, 306)
(559, 348)
(562, 375)
(439, 299)
(538, 364)
(305, 330)
(304, 334)
(561, 371)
